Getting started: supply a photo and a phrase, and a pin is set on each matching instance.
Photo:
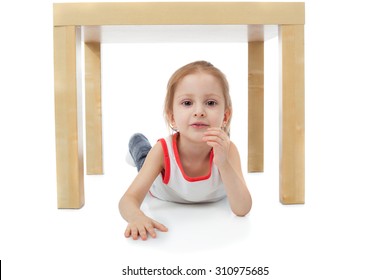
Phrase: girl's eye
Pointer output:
(211, 103)
(186, 103)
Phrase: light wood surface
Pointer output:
(68, 120)
(147, 13)
(256, 107)
(292, 143)
(93, 109)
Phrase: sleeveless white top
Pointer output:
(174, 185)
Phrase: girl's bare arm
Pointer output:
(237, 192)
(227, 159)
(129, 206)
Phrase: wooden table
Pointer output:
(96, 23)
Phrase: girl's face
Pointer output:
(198, 104)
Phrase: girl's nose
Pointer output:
(199, 112)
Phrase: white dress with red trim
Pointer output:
(174, 185)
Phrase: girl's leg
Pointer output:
(139, 148)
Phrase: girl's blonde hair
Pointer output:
(191, 68)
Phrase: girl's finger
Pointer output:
(143, 234)
(134, 233)
(159, 226)
(127, 232)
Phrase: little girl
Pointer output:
(198, 163)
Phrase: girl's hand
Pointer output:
(142, 226)
(216, 138)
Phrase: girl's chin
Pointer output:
(196, 136)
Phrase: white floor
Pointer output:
(341, 232)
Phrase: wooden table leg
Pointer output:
(292, 127)
(68, 117)
(255, 106)
(93, 109)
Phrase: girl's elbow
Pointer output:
(242, 207)
(242, 212)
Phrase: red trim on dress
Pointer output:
(166, 172)
(177, 157)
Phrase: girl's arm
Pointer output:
(227, 159)
(237, 192)
(129, 206)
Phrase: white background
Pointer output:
(341, 232)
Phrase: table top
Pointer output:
(178, 21)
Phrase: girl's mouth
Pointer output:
(199, 125)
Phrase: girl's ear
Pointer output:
(226, 119)
(227, 115)
(171, 119)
